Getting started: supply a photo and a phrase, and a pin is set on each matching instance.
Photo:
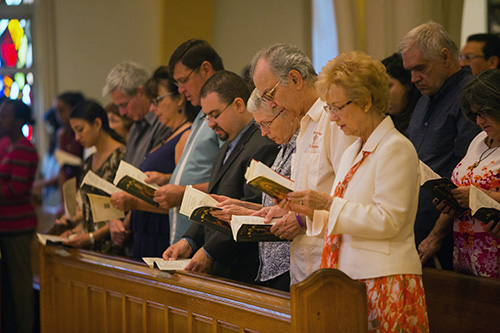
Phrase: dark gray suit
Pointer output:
(238, 261)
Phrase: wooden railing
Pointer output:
(461, 303)
(82, 291)
(86, 292)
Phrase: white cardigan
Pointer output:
(377, 212)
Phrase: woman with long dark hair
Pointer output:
(89, 121)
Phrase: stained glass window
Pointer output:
(16, 58)
(16, 52)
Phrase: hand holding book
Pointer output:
(268, 181)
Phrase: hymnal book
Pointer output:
(193, 199)
(69, 194)
(252, 229)
(202, 215)
(483, 207)
(131, 180)
(241, 228)
(65, 158)
(99, 192)
(426, 173)
(94, 184)
(268, 181)
(441, 189)
(166, 265)
(51, 239)
(102, 209)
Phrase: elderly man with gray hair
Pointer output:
(438, 128)
(285, 78)
(125, 85)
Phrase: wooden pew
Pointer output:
(86, 292)
(461, 303)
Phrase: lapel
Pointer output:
(223, 168)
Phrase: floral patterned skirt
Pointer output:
(396, 303)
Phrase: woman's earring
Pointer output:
(179, 110)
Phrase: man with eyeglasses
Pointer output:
(438, 129)
(481, 52)
(223, 98)
(125, 85)
(191, 65)
(285, 77)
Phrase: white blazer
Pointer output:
(377, 212)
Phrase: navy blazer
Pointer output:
(238, 261)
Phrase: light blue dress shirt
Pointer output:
(194, 167)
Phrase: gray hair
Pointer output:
(127, 76)
(430, 38)
(282, 59)
(256, 104)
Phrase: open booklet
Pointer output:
(483, 207)
(69, 194)
(199, 206)
(51, 239)
(131, 180)
(65, 158)
(268, 181)
(166, 265)
(99, 191)
(252, 229)
(438, 186)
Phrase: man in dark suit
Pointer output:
(223, 98)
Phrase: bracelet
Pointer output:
(489, 191)
(91, 238)
(299, 220)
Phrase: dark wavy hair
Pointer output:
(394, 67)
(89, 111)
(161, 77)
(192, 53)
(227, 85)
(482, 94)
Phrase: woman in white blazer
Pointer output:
(368, 218)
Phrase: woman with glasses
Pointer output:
(476, 244)
(282, 127)
(150, 225)
(367, 221)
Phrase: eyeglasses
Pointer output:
(334, 109)
(156, 100)
(125, 104)
(209, 117)
(267, 124)
(182, 82)
(269, 96)
(481, 114)
(469, 56)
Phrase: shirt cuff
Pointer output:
(208, 254)
(191, 243)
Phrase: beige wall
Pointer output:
(244, 27)
(92, 36)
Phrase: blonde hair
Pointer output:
(362, 77)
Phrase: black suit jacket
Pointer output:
(238, 261)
